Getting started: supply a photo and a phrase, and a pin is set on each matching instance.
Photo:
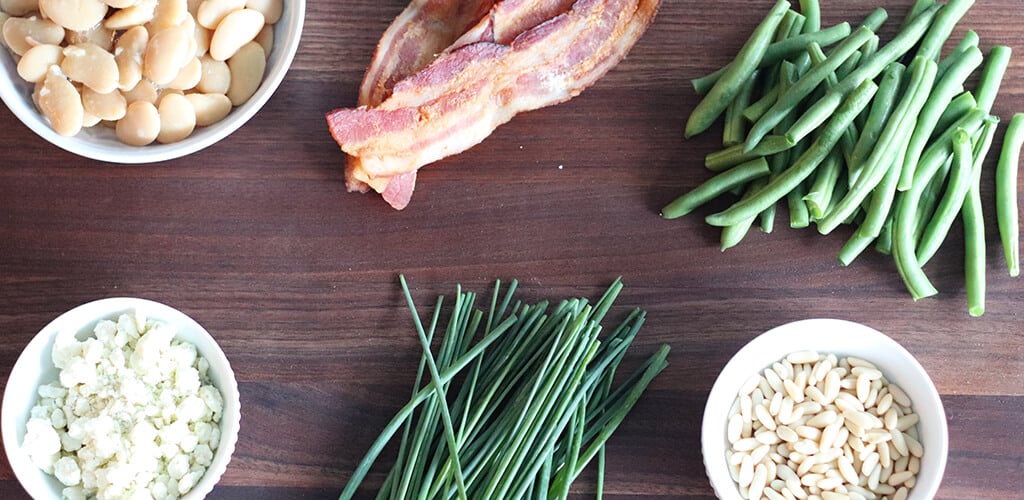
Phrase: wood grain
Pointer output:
(257, 239)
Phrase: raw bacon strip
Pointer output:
(465, 94)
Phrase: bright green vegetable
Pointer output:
(735, 129)
(780, 51)
(732, 156)
(819, 197)
(942, 26)
(736, 73)
(953, 199)
(970, 39)
(804, 86)
(896, 132)
(715, 186)
(881, 107)
(941, 95)
(992, 76)
(960, 106)
(782, 184)
(1006, 193)
(533, 399)
(974, 228)
(916, 10)
(811, 10)
(875, 19)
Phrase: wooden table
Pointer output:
(257, 239)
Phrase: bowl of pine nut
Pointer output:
(140, 81)
(824, 408)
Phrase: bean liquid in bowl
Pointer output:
(822, 425)
(151, 70)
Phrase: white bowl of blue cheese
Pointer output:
(120, 398)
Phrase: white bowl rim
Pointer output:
(106, 308)
(202, 138)
(925, 397)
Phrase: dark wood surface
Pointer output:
(257, 239)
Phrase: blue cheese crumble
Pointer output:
(133, 415)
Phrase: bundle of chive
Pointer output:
(517, 413)
(855, 136)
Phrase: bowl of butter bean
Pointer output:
(143, 81)
(824, 408)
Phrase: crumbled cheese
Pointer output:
(133, 413)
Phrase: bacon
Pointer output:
(422, 31)
(461, 97)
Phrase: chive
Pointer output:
(517, 410)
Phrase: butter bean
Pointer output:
(99, 35)
(19, 8)
(23, 33)
(76, 15)
(271, 9)
(140, 124)
(60, 102)
(247, 68)
(266, 39)
(237, 29)
(210, 12)
(128, 55)
(120, 4)
(177, 118)
(92, 66)
(202, 37)
(167, 52)
(143, 91)
(136, 15)
(169, 13)
(215, 77)
(89, 119)
(110, 106)
(188, 77)
(209, 108)
(3, 19)
(37, 61)
(193, 6)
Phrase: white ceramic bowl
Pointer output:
(842, 338)
(35, 367)
(100, 143)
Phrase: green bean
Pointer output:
(1006, 193)
(881, 203)
(819, 196)
(734, 155)
(875, 19)
(974, 232)
(715, 187)
(759, 107)
(884, 242)
(792, 24)
(767, 218)
(992, 76)
(853, 248)
(959, 182)
(881, 107)
(958, 107)
(737, 73)
(942, 94)
(916, 10)
(804, 166)
(779, 51)
(735, 129)
(969, 40)
(813, 117)
(942, 26)
(804, 86)
(899, 45)
(851, 64)
(799, 216)
(733, 234)
(908, 202)
(811, 9)
(895, 133)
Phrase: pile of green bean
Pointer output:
(847, 130)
